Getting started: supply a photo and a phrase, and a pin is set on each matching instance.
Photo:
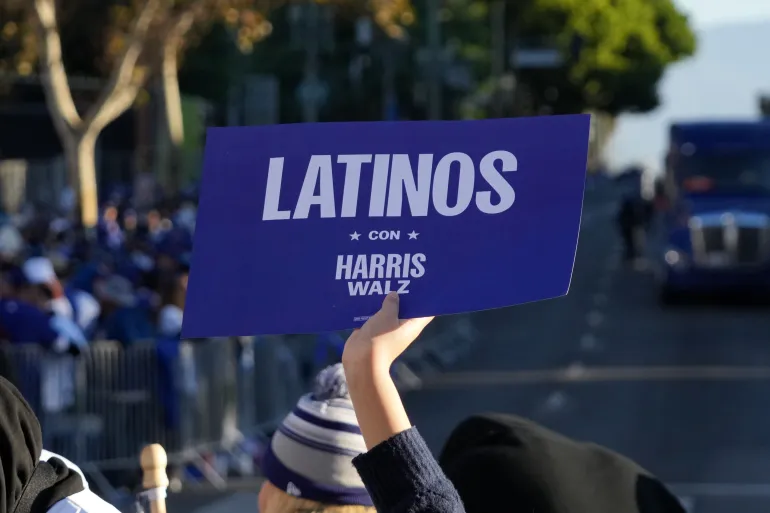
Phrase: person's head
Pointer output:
(130, 220)
(40, 280)
(153, 220)
(111, 213)
(115, 292)
(497, 460)
(308, 464)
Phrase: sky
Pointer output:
(711, 12)
(727, 85)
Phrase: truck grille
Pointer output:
(713, 238)
(749, 250)
(720, 240)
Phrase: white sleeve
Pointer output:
(83, 502)
(47, 455)
(68, 331)
(88, 309)
(61, 306)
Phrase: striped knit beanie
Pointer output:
(311, 453)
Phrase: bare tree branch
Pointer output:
(180, 26)
(119, 102)
(123, 81)
(54, 77)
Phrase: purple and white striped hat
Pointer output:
(311, 453)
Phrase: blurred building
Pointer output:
(254, 101)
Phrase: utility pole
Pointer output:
(497, 21)
(311, 83)
(435, 73)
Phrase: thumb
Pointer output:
(389, 308)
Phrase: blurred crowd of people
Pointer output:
(63, 286)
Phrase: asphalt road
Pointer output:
(682, 390)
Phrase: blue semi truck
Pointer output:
(714, 234)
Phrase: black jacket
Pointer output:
(27, 484)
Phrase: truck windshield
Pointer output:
(727, 173)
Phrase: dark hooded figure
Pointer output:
(501, 462)
(635, 215)
(29, 485)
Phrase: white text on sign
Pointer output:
(392, 179)
(368, 275)
(385, 235)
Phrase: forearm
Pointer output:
(379, 409)
(399, 471)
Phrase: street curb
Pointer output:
(437, 353)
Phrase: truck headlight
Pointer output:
(675, 258)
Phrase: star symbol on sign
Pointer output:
(413, 235)
(354, 236)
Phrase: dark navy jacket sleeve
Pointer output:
(402, 476)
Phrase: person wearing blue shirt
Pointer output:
(109, 232)
(125, 320)
(168, 347)
(23, 323)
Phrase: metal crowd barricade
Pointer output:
(193, 397)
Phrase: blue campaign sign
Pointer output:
(304, 228)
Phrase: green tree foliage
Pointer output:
(626, 47)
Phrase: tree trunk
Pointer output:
(80, 152)
(172, 100)
(78, 135)
(86, 161)
(172, 97)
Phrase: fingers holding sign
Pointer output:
(384, 337)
